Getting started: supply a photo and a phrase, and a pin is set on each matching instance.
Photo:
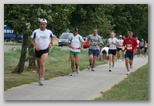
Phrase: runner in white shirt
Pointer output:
(104, 53)
(41, 39)
(76, 44)
(137, 49)
(112, 42)
(119, 47)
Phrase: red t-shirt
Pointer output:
(130, 44)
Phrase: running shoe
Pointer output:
(40, 83)
(72, 74)
(127, 73)
(110, 69)
(92, 69)
(77, 70)
(89, 67)
(42, 79)
(131, 66)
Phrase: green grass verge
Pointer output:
(57, 64)
(134, 87)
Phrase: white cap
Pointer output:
(43, 20)
(120, 36)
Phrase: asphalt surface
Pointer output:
(87, 85)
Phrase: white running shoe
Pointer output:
(127, 73)
(89, 67)
(42, 79)
(40, 82)
(131, 66)
(72, 74)
(110, 69)
(77, 70)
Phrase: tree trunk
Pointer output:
(20, 67)
(31, 55)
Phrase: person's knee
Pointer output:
(72, 61)
(42, 65)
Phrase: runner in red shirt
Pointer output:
(130, 44)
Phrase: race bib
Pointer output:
(129, 47)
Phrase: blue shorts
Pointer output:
(93, 52)
(129, 55)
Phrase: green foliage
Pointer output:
(131, 17)
(24, 18)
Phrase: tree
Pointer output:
(24, 18)
(131, 17)
(89, 16)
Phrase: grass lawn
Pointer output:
(134, 87)
(57, 64)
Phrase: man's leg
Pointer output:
(127, 63)
(77, 63)
(72, 62)
(38, 67)
(94, 61)
(42, 64)
(127, 60)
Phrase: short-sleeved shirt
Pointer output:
(120, 41)
(106, 49)
(138, 43)
(42, 38)
(94, 38)
(112, 46)
(75, 42)
(141, 44)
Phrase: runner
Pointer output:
(76, 44)
(137, 50)
(141, 44)
(130, 43)
(41, 39)
(104, 54)
(145, 48)
(119, 48)
(94, 42)
(112, 42)
(123, 49)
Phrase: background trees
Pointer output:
(24, 18)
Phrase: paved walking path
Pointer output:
(85, 86)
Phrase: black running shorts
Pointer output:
(113, 52)
(38, 54)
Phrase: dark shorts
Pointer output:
(118, 49)
(38, 54)
(145, 49)
(93, 52)
(129, 55)
(141, 47)
(113, 52)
